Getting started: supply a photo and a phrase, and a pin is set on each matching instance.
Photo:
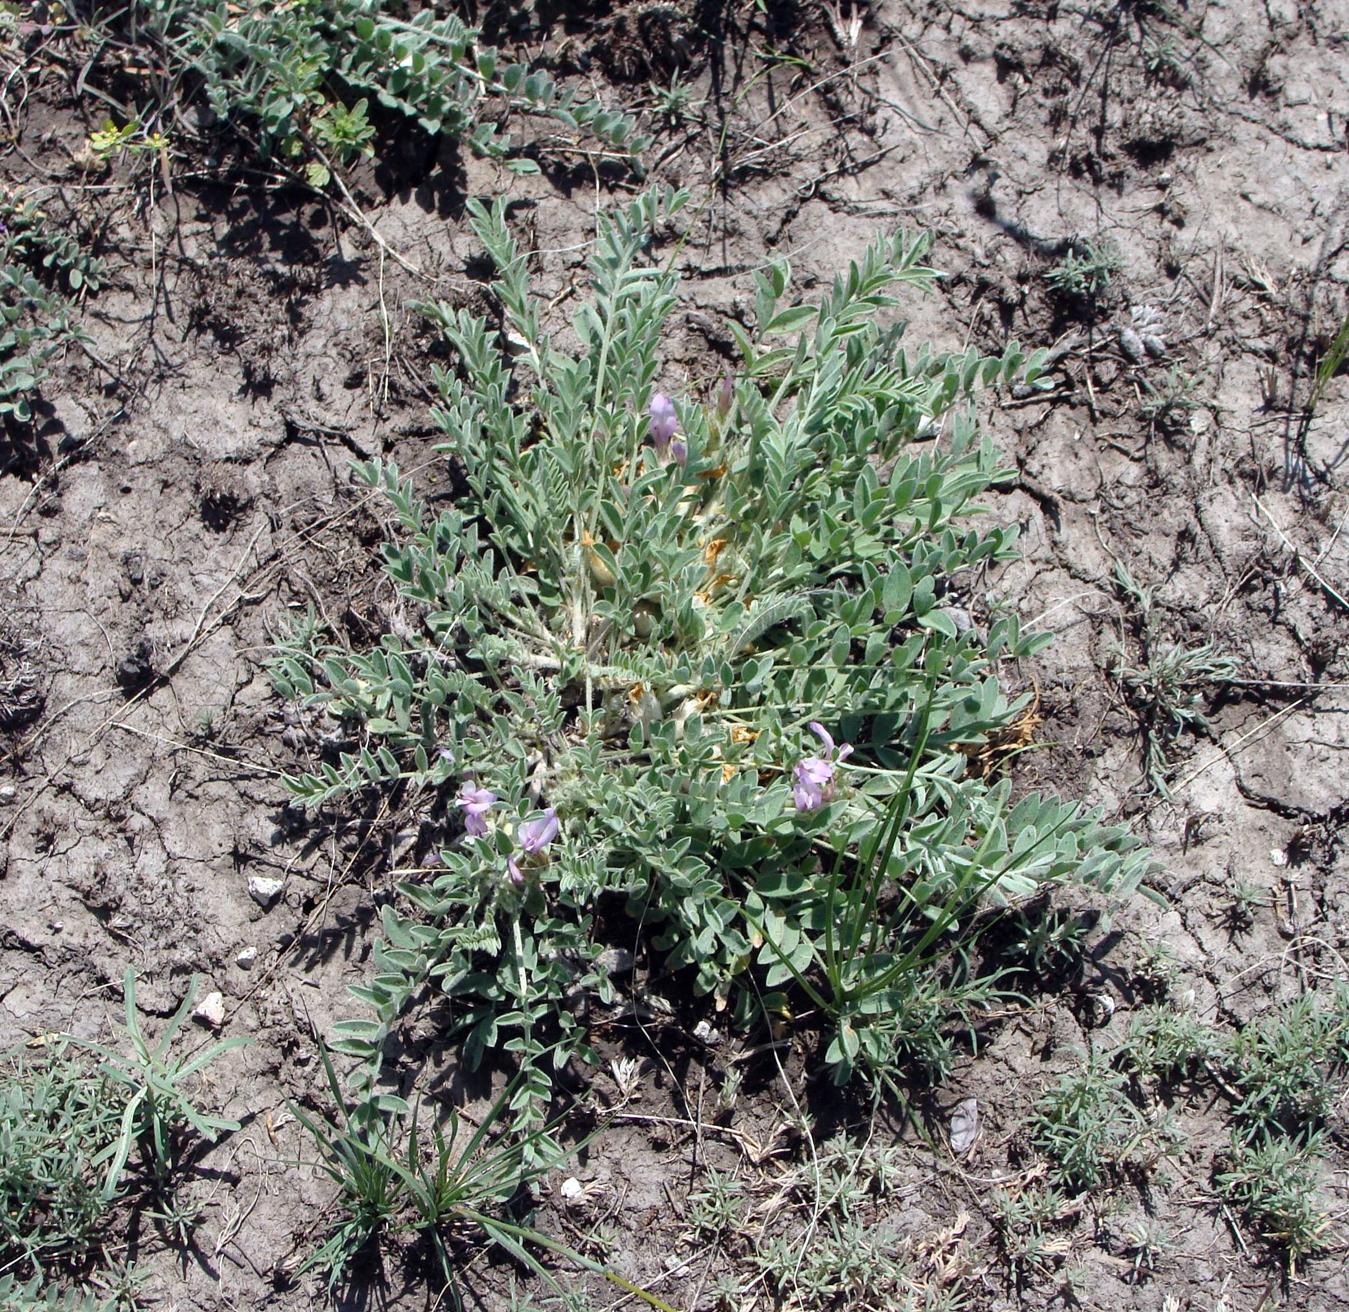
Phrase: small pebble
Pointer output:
(264, 890)
(572, 1191)
(964, 1126)
(705, 1032)
(7, 794)
(246, 958)
(210, 1011)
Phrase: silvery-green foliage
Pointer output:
(43, 273)
(304, 72)
(33, 1295)
(638, 638)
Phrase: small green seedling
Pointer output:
(1086, 271)
(157, 1104)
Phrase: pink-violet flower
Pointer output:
(664, 422)
(533, 836)
(813, 778)
(475, 804)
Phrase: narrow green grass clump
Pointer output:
(303, 78)
(394, 1173)
(698, 661)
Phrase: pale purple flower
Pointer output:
(475, 804)
(813, 776)
(534, 835)
(664, 422)
(725, 397)
(679, 453)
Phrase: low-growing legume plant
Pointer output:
(696, 657)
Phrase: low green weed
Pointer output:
(304, 77)
(1088, 1127)
(71, 1114)
(1166, 684)
(1086, 271)
(43, 272)
(34, 1296)
(819, 1243)
(1047, 941)
(57, 1118)
(1289, 1065)
(1146, 1243)
(32, 238)
(1283, 1074)
(1028, 1224)
(1168, 405)
(1276, 1183)
(1247, 899)
(1167, 1044)
(716, 1206)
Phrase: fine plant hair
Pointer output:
(623, 645)
(304, 79)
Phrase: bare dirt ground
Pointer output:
(184, 494)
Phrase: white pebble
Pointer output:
(264, 890)
(210, 1011)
